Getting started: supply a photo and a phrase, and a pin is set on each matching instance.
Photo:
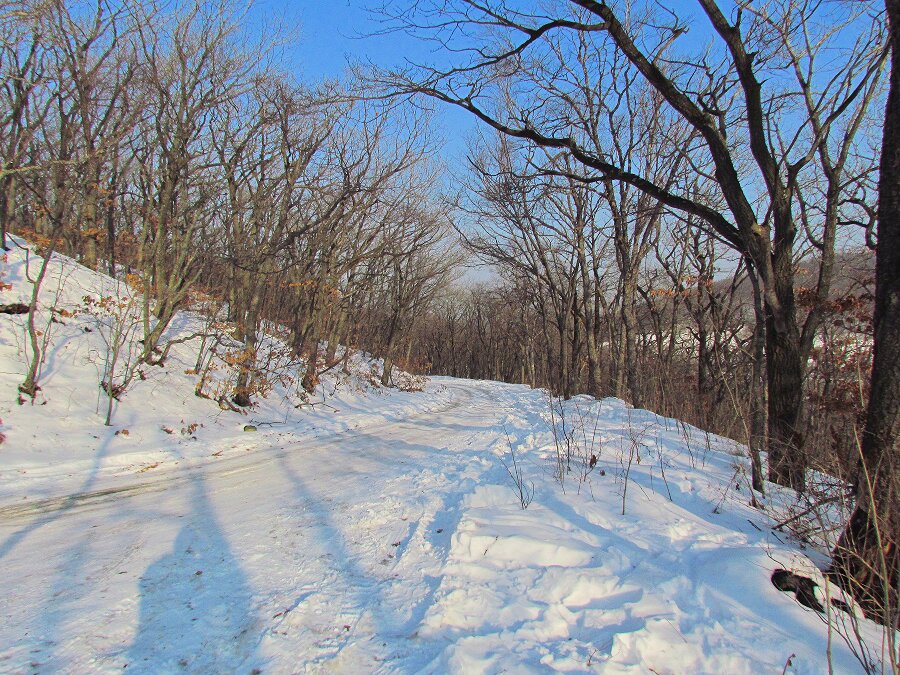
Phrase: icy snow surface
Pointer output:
(377, 533)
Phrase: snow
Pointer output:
(375, 531)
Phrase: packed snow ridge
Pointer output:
(363, 529)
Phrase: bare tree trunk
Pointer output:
(247, 367)
(7, 208)
(704, 385)
(30, 386)
(630, 329)
(595, 378)
(867, 557)
(387, 371)
(90, 216)
(110, 217)
(565, 357)
(757, 440)
(334, 337)
(620, 354)
(311, 376)
(787, 463)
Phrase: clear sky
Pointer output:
(333, 32)
(328, 35)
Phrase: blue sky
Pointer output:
(330, 34)
(331, 31)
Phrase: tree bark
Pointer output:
(387, 371)
(7, 208)
(630, 329)
(246, 369)
(787, 464)
(311, 376)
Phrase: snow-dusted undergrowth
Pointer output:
(56, 441)
(372, 530)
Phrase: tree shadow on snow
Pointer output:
(359, 579)
(195, 603)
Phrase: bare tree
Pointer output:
(867, 557)
(93, 53)
(25, 99)
(416, 268)
(192, 65)
(753, 137)
(264, 143)
(533, 224)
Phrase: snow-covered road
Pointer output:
(398, 545)
(171, 477)
(290, 555)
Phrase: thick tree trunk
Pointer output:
(164, 313)
(629, 329)
(629, 322)
(246, 369)
(88, 227)
(591, 317)
(787, 463)
(388, 367)
(110, 218)
(334, 338)
(387, 371)
(311, 376)
(7, 208)
(595, 377)
(576, 344)
(619, 386)
(866, 559)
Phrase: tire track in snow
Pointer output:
(81, 502)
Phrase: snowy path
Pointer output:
(323, 550)
(171, 476)
(398, 546)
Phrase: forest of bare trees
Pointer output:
(164, 145)
(686, 225)
(758, 143)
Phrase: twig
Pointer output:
(821, 502)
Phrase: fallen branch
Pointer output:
(805, 512)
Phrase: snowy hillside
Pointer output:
(371, 530)
(159, 422)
